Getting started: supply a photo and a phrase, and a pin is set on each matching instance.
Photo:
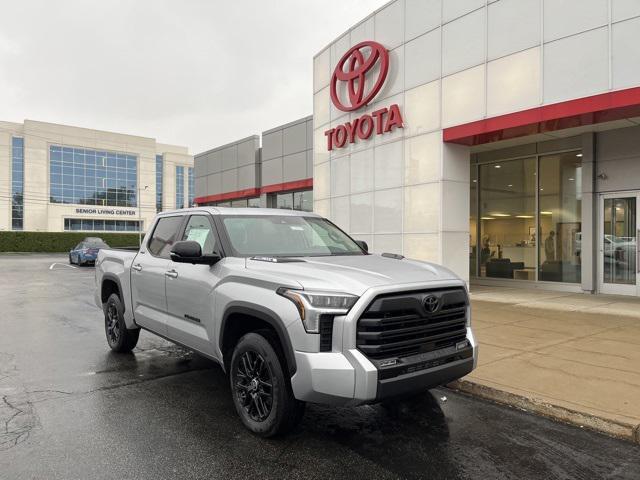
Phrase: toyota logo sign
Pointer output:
(431, 303)
(352, 88)
(357, 67)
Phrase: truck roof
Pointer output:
(242, 211)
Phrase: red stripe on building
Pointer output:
(256, 192)
(601, 108)
(283, 187)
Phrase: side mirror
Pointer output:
(190, 252)
(363, 245)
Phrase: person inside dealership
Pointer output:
(550, 246)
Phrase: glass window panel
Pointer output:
(473, 222)
(619, 240)
(17, 183)
(254, 202)
(284, 200)
(239, 203)
(164, 236)
(98, 224)
(507, 219)
(560, 216)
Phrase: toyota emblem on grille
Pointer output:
(431, 303)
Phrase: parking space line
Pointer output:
(63, 264)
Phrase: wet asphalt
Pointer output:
(71, 409)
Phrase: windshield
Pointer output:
(288, 236)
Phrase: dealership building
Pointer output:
(499, 138)
(56, 178)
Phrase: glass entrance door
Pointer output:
(619, 232)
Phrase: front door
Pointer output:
(190, 298)
(618, 244)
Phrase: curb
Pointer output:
(628, 432)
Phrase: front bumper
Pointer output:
(350, 378)
(345, 376)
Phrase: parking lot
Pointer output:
(72, 409)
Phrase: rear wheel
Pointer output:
(119, 337)
(261, 393)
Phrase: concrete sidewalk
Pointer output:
(569, 356)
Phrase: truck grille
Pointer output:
(403, 324)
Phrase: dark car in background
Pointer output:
(86, 251)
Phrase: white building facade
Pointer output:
(62, 178)
(516, 157)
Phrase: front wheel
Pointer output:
(261, 393)
(119, 337)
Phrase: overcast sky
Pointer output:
(198, 73)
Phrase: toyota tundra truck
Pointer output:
(291, 307)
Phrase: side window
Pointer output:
(164, 236)
(199, 230)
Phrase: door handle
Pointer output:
(137, 267)
(171, 274)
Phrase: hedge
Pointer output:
(53, 242)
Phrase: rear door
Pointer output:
(190, 298)
(148, 274)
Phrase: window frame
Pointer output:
(155, 226)
(218, 241)
(476, 163)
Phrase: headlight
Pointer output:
(311, 305)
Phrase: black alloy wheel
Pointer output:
(260, 388)
(120, 338)
(254, 385)
(113, 324)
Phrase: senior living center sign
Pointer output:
(353, 73)
(106, 211)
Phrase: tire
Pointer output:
(119, 337)
(261, 392)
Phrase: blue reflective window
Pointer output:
(191, 181)
(180, 187)
(159, 179)
(101, 225)
(80, 177)
(17, 183)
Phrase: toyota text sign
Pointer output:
(356, 80)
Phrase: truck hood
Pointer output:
(352, 274)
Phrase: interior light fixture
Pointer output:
(524, 216)
(510, 185)
(487, 218)
(500, 215)
(578, 155)
(497, 166)
(571, 179)
(544, 212)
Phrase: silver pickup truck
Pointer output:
(292, 308)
